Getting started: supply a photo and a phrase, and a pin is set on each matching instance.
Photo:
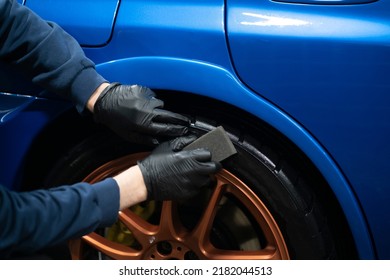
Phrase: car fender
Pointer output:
(22, 119)
(168, 73)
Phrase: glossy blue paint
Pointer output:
(89, 21)
(328, 68)
(191, 29)
(21, 120)
(11, 105)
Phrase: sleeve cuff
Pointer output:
(86, 82)
(108, 200)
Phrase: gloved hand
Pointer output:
(172, 174)
(174, 145)
(135, 114)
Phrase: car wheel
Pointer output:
(260, 208)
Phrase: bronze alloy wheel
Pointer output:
(227, 222)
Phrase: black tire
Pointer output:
(275, 170)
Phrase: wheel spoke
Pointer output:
(141, 229)
(202, 230)
(76, 247)
(268, 253)
(263, 217)
(113, 250)
(170, 225)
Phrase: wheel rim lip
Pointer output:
(224, 177)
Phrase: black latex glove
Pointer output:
(135, 114)
(172, 175)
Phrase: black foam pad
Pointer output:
(217, 142)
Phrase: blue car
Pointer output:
(301, 87)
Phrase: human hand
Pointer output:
(172, 174)
(174, 145)
(135, 114)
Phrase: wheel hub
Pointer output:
(169, 250)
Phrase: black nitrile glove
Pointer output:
(174, 145)
(135, 114)
(171, 175)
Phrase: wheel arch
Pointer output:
(208, 80)
(59, 134)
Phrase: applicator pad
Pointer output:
(217, 142)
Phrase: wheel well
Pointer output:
(53, 142)
(275, 146)
(70, 128)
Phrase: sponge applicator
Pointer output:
(217, 142)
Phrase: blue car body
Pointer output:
(315, 70)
